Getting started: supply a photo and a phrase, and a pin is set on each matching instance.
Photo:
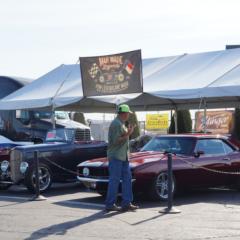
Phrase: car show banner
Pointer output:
(217, 122)
(157, 121)
(112, 74)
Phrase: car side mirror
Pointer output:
(237, 148)
(138, 149)
(198, 153)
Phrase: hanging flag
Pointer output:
(129, 68)
(112, 74)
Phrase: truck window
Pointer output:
(23, 116)
(61, 115)
(47, 115)
(42, 115)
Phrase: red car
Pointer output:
(198, 161)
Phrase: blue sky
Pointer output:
(37, 36)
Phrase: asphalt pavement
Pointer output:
(72, 212)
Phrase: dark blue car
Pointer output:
(58, 158)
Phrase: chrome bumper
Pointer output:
(95, 180)
(6, 182)
(92, 180)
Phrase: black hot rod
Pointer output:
(59, 156)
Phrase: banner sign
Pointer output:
(112, 74)
(217, 122)
(156, 121)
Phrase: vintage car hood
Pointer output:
(5, 142)
(66, 123)
(43, 146)
(136, 159)
(61, 145)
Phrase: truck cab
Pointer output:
(25, 125)
(32, 125)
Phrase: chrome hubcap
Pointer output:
(162, 185)
(44, 178)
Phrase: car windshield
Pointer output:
(178, 145)
(60, 135)
(61, 115)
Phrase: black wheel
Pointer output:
(159, 188)
(45, 178)
(5, 186)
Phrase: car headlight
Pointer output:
(86, 172)
(23, 167)
(4, 165)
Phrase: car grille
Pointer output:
(94, 171)
(15, 161)
(82, 135)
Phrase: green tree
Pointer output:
(184, 122)
(79, 117)
(171, 128)
(236, 122)
(133, 121)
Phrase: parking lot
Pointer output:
(72, 212)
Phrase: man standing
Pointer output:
(118, 145)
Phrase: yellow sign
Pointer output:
(157, 121)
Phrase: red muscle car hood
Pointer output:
(135, 160)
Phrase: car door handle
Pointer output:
(226, 159)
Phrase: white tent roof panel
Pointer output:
(168, 82)
(194, 71)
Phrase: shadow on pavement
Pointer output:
(64, 189)
(149, 219)
(14, 202)
(211, 196)
(62, 228)
(216, 195)
(55, 190)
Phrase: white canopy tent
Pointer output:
(62, 88)
(214, 76)
(41, 92)
(168, 83)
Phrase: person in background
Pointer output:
(118, 149)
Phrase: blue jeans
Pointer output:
(119, 170)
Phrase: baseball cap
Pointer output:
(124, 108)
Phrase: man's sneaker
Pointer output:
(113, 208)
(130, 207)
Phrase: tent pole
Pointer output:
(171, 116)
(117, 104)
(205, 116)
(53, 118)
(176, 121)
